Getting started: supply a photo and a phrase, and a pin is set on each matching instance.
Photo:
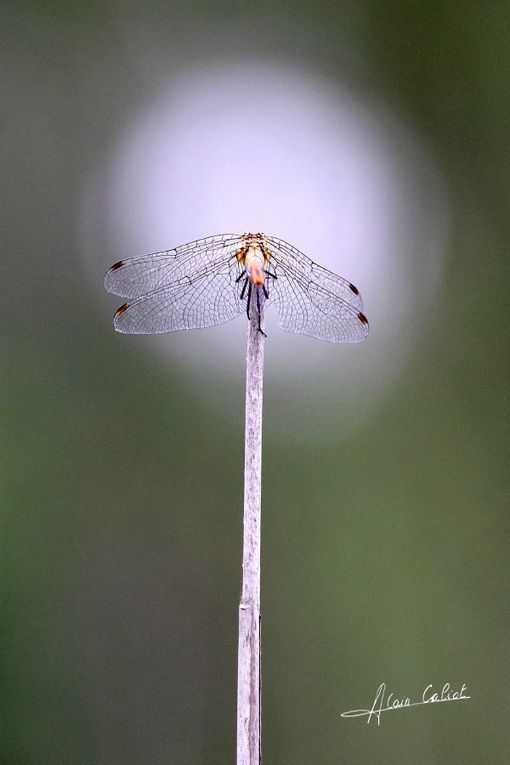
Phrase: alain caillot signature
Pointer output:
(385, 704)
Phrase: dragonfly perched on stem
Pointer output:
(211, 281)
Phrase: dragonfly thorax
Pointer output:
(253, 254)
(254, 261)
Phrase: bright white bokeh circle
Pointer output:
(258, 147)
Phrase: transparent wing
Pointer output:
(211, 297)
(136, 277)
(312, 300)
(300, 266)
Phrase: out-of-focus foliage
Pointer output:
(385, 556)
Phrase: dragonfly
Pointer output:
(212, 280)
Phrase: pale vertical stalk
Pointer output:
(248, 671)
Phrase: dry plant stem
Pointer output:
(248, 673)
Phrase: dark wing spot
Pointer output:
(117, 265)
(121, 309)
(361, 316)
(354, 289)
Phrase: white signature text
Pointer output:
(383, 703)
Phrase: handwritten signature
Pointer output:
(392, 702)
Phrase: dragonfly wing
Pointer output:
(212, 297)
(287, 258)
(312, 300)
(308, 309)
(135, 277)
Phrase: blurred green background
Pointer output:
(385, 555)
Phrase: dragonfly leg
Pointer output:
(243, 273)
(273, 276)
(259, 311)
(244, 285)
(264, 286)
(248, 302)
